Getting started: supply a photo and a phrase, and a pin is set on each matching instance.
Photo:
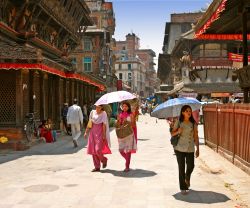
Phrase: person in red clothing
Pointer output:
(45, 132)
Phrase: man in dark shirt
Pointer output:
(64, 118)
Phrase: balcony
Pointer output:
(212, 62)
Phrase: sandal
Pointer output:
(126, 170)
(184, 192)
(104, 164)
(96, 170)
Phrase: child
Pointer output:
(45, 132)
(49, 126)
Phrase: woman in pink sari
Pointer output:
(127, 145)
(99, 138)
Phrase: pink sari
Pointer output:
(96, 145)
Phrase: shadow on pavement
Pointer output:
(204, 197)
(133, 173)
(63, 145)
(143, 140)
(201, 141)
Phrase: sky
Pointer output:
(147, 18)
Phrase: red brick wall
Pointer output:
(186, 17)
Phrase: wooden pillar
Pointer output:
(70, 92)
(31, 91)
(64, 90)
(50, 96)
(19, 98)
(75, 90)
(245, 51)
(42, 96)
(57, 91)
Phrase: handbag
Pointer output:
(90, 124)
(123, 130)
(175, 139)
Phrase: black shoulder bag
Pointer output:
(174, 139)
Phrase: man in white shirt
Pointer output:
(75, 119)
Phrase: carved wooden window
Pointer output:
(8, 98)
(212, 50)
(87, 62)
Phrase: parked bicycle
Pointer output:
(31, 127)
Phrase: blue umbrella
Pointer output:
(151, 97)
(172, 107)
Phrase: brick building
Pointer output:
(94, 54)
(135, 66)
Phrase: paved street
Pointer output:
(59, 176)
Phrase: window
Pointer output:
(129, 76)
(87, 45)
(120, 66)
(123, 48)
(95, 20)
(74, 62)
(185, 28)
(212, 50)
(129, 66)
(87, 62)
(120, 76)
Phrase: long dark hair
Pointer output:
(183, 109)
(129, 107)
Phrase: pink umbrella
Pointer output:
(114, 97)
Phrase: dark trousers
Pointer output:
(184, 174)
(66, 126)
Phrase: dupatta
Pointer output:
(101, 118)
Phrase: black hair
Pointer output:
(102, 107)
(183, 109)
(129, 107)
(44, 122)
(75, 101)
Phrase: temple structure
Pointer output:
(36, 73)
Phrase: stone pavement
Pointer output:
(59, 176)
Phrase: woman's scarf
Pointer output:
(101, 118)
(124, 115)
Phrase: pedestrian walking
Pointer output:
(85, 115)
(99, 137)
(64, 113)
(75, 119)
(134, 103)
(127, 145)
(187, 128)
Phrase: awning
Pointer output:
(51, 70)
(215, 15)
(221, 21)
